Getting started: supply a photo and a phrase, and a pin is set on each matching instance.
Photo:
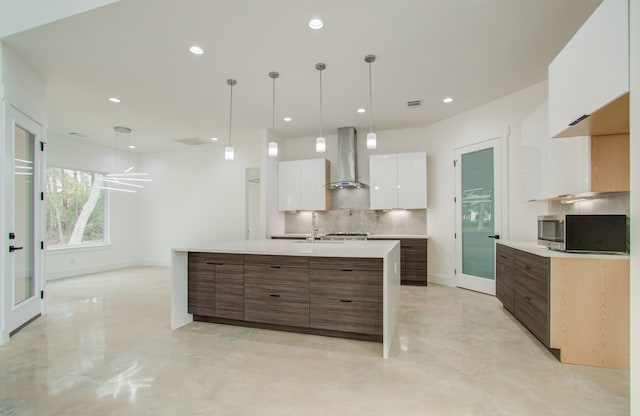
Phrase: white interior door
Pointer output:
(478, 214)
(22, 281)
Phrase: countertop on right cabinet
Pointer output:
(577, 305)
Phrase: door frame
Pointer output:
(15, 316)
(501, 180)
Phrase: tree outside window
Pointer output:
(75, 208)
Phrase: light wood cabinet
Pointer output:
(577, 307)
(398, 181)
(591, 73)
(302, 185)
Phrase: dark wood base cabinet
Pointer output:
(413, 260)
(522, 285)
(319, 295)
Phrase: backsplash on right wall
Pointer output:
(611, 204)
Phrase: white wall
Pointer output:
(498, 118)
(634, 72)
(123, 251)
(196, 196)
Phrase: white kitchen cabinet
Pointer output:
(551, 168)
(398, 181)
(302, 185)
(590, 73)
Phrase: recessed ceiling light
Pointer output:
(114, 99)
(131, 146)
(196, 50)
(361, 110)
(214, 139)
(447, 100)
(316, 24)
(287, 119)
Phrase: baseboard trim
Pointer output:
(89, 270)
(442, 280)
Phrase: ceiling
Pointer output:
(471, 50)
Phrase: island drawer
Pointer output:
(291, 281)
(214, 258)
(346, 316)
(276, 261)
(341, 263)
(279, 309)
(360, 285)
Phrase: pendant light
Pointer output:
(371, 136)
(321, 145)
(273, 145)
(228, 151)
(123, 182)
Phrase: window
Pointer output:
(76, 208)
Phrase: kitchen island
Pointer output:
(348, 289)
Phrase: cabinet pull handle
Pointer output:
(274, 296)
(578, 120)
(528, 267)
(345, 300)
(276, 267)
(215, 264)
(528, 298)
(504, 257)
(346, 270)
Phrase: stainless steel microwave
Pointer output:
(583, 233)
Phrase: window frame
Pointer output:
(106, 210)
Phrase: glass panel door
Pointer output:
(24, 284)
(477, 215)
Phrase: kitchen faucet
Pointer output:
(314, 227)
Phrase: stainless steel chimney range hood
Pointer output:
(347, 165)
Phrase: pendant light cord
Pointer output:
(273, 117)
(321, 103)
(370, 102)
(230, 111)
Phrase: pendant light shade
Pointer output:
(228, 153)
(372, 141)
(272, 149)
(321, 146)
(228, 150)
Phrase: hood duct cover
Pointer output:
(347, 160)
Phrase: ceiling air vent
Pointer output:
(194, 141)
(414, 103)
(78, 135)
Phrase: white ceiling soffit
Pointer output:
(19, 15)
(137, 50)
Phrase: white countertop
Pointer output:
(385, 236)
(533, 248)
(378, 248)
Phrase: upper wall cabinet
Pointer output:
(589, 79)
(398, 181)
(553, 168)
(302, 185)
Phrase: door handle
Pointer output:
(495, 236)
(13, 248)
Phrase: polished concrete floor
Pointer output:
(105, 348)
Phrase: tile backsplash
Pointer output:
(609, 204)
(350, 213)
